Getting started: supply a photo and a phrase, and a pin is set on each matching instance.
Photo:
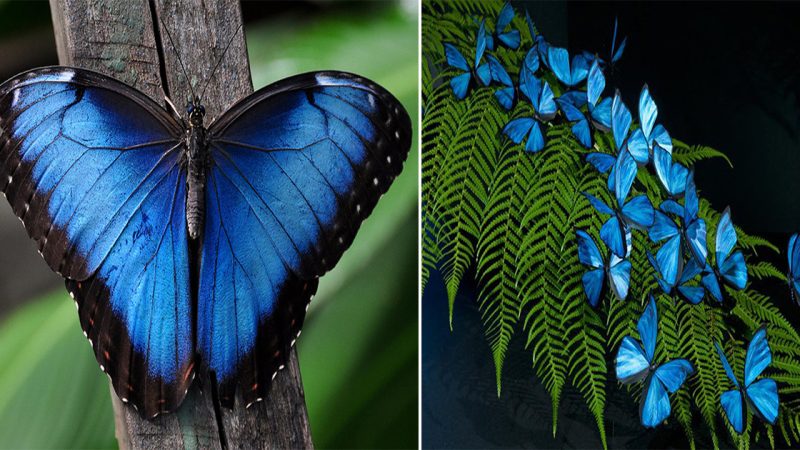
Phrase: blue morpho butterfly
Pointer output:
(599, 110)
(690, 234)
(730, 267)
(617, 270)
(761, 396)
(637, 213)
(510, 38)
(672, 175)
(620, 125)
(540, 44)
(634, 363)
(461, 83)
(643, 138)
(793, 254)
(191, 248)
(570, 74)
(616, 51)
(507, 95)
(528, 129)
(691, 293)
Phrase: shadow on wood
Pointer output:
(118, 38)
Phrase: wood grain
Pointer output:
(118, 38)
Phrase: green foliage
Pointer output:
(511, 216)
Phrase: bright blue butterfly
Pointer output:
(461, 83)
(643, 138)
(599, 110)
(527, 129)
(510, 38)
(761, 395)
(672, 175)
(616, 51)
(691, 293)
(540, 45)
(617, 270)
(620, 125)
(571, 74)
(690, 234)
(507, 94)
(636, 213)
(129, 203)
(730, 267)
(793, 254)
(634, 363)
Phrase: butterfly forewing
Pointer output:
(296, 168)
(92, 168)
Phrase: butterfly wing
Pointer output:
(759, 356)
(613, 234)
(672, 374)
(734, 270)
(733, 405)
(517, 129)
(711, 283)
(619, 276)
(620, 121)
(631, 363)
(648, 328)
(296, 167)
(672, 175)
(763, 395)
(639, 212)
(580, 127)
(670, 260)
(794, 266)
(647, 111)
(510, 39)
(596, 84)
(459, 83)
(655, 407)
(601, 161)
(91, 167)
(558, 60)
(546, 109)
(725, 239)
(625, 170)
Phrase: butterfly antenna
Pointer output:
(178, 55)
(210, 77)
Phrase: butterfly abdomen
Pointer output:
(197, 150)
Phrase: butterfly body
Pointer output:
(188, 247)
(197, 160)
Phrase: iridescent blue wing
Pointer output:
(531, 61)
(733, 405)
(599, 205)
(589, 255)
(711, 283)
(793, 255)
(759, 356)
(459, 83)
(616, 51)
(734, 270)
(498, 72)
(763, 395)
(620, 121)
(546, 109)
(648, 328)
(726, 237)
(580, 127)
(639, 212)
(726, 365)
(297, 166)
(672, 374)
(672, 175)
(631, 363)
(655, 407)
(91, 167)
(595, 85)
(647, 111)
(601, 161)
(625, 170)
(670, 260)
(619, 276)
(511, 38)
(613, 233)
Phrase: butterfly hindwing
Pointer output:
(91, 167)
(297, 167)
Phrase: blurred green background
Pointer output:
(358, 352)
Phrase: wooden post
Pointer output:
(127, 39)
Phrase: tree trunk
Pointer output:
(129, 40)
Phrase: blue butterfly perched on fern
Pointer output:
(620, 125)
(793, 277)
(635, 362)
(462, 83)
(644, 138)
(760, 396)
(689, 235)
(508, 38)
(599, 109)
(528, 129)
(692, 293)
(637, 213)
(617, 270)
(730, 267)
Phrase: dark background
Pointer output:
(726, 75)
